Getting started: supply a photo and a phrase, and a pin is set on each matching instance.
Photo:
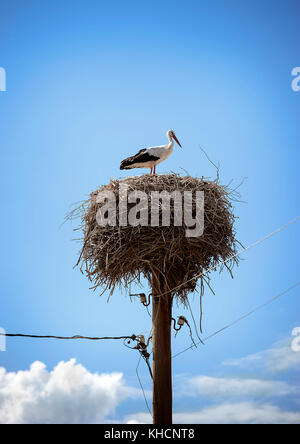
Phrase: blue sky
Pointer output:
(89, 83)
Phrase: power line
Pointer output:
(141, 385)
(132, 337)
(241, 318)
(254, 244)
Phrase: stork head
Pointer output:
(171, 135)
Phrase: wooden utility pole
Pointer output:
(161, 346)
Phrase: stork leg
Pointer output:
(154, 169)
(151, 170)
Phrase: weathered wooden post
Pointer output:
(161, 350)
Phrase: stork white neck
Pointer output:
(171, 142)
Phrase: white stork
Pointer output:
(150, 157)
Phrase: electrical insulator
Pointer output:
(181, 320)
(143, 298)
(142, 339)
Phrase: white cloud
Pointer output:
(237, 387)
(228, 413)
(280, 357)
(68, 394)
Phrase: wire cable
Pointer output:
(259, 307)
(140, 382)
(254, 244)
(132, 337)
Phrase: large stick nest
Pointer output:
(116, 256)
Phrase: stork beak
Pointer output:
(177, 141)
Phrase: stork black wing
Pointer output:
(142, 156)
